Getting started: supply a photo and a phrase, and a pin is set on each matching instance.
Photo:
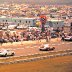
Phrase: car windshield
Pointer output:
(8, 50)
(46, 45)
(69, 36)
(3, 50)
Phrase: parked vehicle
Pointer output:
(3, 41)
(53, 34)
(67, 38)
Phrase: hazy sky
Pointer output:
(40, 1)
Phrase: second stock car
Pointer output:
(6, 53)
(67, 38)
(46, 47)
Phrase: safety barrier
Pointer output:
(38, 58)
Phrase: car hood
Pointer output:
(1, 53)
(68, 37)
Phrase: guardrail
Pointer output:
(65, 53)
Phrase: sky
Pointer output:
(40, 1)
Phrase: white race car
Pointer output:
(46, 47)
(68, 38)
(5, 53)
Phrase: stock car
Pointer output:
(67, 38)
(46, 48)
(6, 53)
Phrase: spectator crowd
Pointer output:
(31, 35)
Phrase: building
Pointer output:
(55, 23)
(19, 21)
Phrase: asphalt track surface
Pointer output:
(33, 48)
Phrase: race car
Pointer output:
(6, 53)
(67, 38)
(46, 48)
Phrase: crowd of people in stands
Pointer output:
(30, 35)
(25, 36)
